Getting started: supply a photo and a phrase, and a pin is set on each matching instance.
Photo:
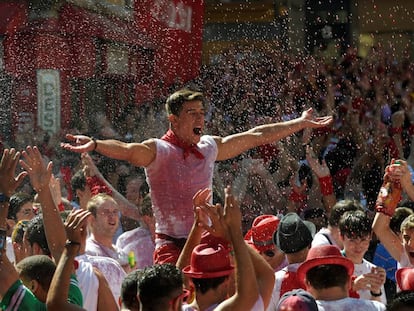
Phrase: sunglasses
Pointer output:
(269, 253)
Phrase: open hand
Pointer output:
(80, 143)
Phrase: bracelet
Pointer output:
(70, 243)
(376, 295)
(95, 143)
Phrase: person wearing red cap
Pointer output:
(327, 277)
(260, 238)
(210, 267)
(182, 161)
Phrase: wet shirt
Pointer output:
(173, 181)
(140, 242)
(350, 304)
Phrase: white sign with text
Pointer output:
(48, 100)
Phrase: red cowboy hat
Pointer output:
(405, 278)
(211, 240)
(324, 255)
(209, 261)
(260, 236)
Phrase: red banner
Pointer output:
(176, 26)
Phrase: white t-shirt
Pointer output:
(363, 268)
(323, 237)
(279, 276)
(140, 242)
(350, 304)
(88, 284)
(110, 268)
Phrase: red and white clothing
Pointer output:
(110, 268)
(173, 181)
(324, 237)
(280, 286)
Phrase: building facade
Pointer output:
(63, 61)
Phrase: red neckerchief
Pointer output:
(173, 139)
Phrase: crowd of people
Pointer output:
(257, 189)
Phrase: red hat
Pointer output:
(212, 240)
(298, 300)
(209, 261)
(405, 278)
(324, 255)
(260, 236)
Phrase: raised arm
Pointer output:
(194, 237)
(57, 296)
(138, 154)
(265, 276)
(8, 185)
(233, 145)
(247, 289)
(128, 209)
(381, 224)
(323, 173)
(40, 175)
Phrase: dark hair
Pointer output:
(35, 233)
(203, 285)
(326, 276)
(340, 208)
(146, 206)
(312, 213)
(398, 217)
(78, 182)
(402, 301)
(129, 289)
(37, 267)
(176, 100)
(17, 200)
(355, 224)
(158, 284)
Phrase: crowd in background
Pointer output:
(371, 99)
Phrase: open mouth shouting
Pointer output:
(197, 131)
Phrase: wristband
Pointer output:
(375, 295)
(95, 143)
(61, 207)
(325, 183)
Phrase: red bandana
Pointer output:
(173, 139)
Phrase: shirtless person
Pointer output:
(182, 162)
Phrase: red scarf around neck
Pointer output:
(173, 139)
